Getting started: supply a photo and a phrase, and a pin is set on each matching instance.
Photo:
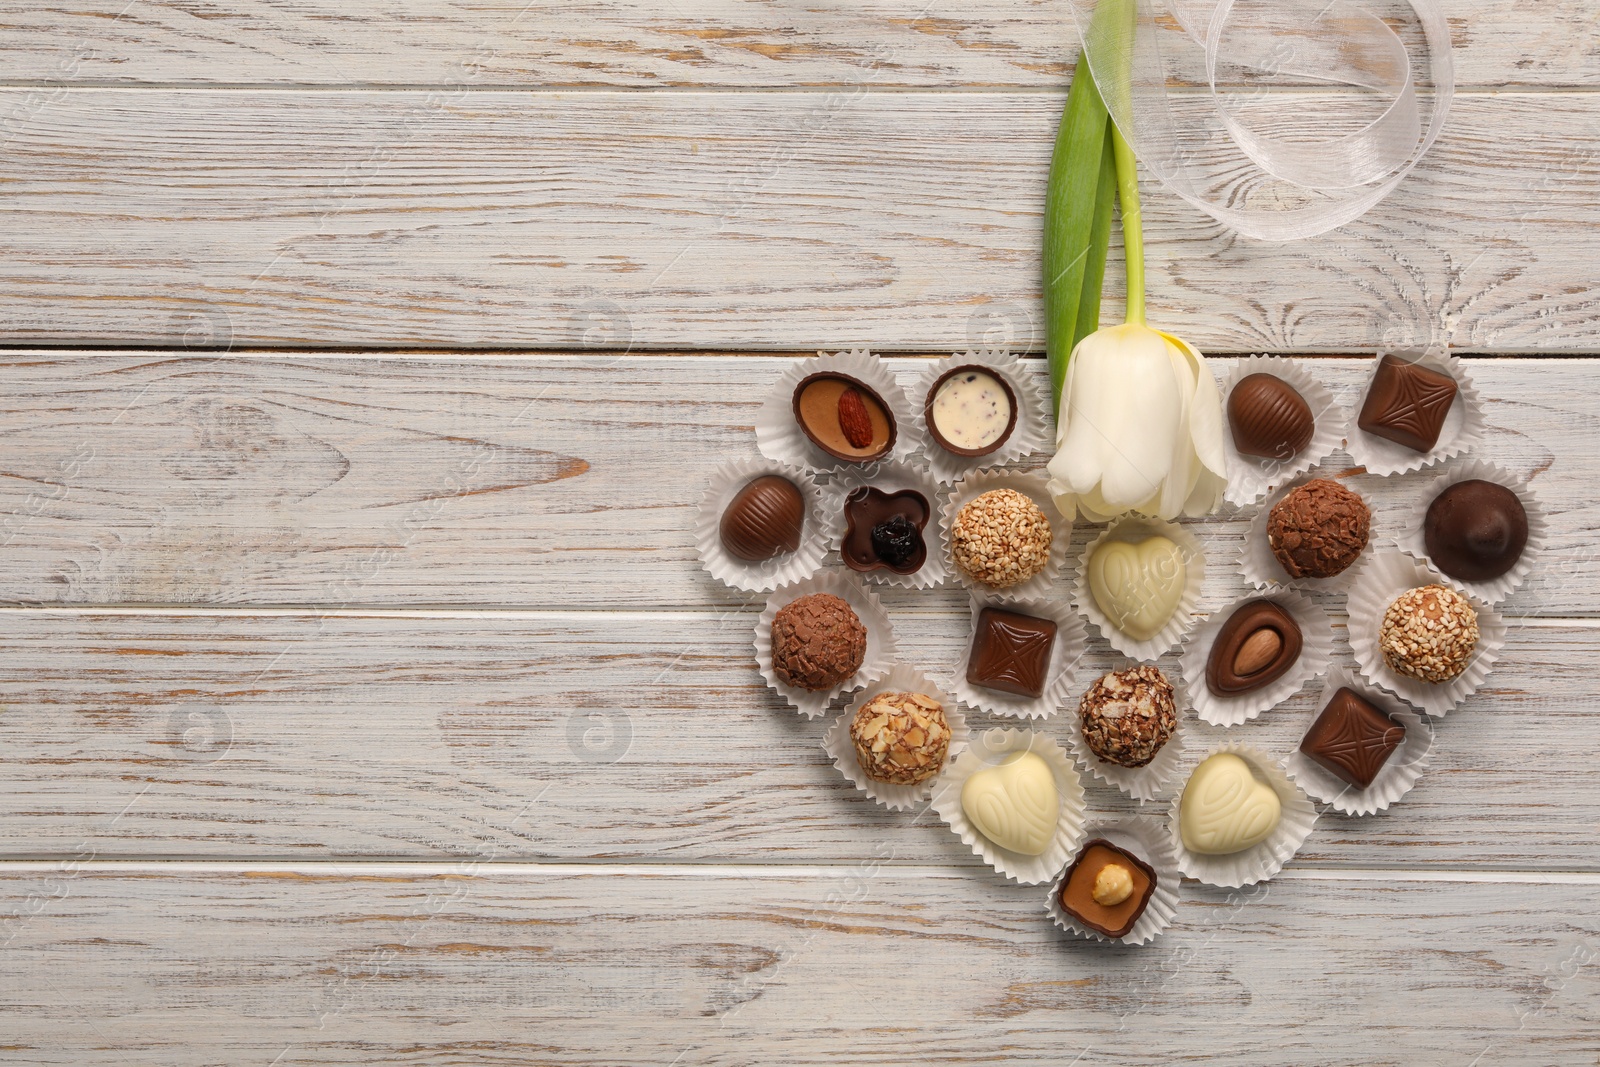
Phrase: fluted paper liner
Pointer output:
(818, 537)
(1399, 773)
(1413, 542)
(1147, 839)
(880, 652)
(1316, 651)
(1133, 530)
(987, 751)
(1252, 477)
(1032, 486)
(1032, 432)
(1463, 426)
(1260, 861)
(779, 436)
(1141, 783)
(902, 678)
(1262, 569)
(891, 478)
(1071, 640)
(1387, 575)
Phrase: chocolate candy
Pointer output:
(1407, 403)
(1318, 529)
(1225, 808)
(1255, 647)
(1429, 633)
(764, 519)
(1475, 530)
(1015, 804)
(1138, 586)
(1127, 716)
(1352, 739)
(1269, 418)
(883, 531)
(844, 417)
(817, 642)
(1011, 652)
(970, 411)
(1107, 888)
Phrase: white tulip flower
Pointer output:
(1140, 428)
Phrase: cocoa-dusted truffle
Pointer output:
(901, 738)
(1318, 529)
(817, 642)
(1128, 715)
(1429, 633)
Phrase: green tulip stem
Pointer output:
(1132, 228)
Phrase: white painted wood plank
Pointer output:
(733, 220)
(313, 965)
(589, 735)
(152, 478)
(688, 42)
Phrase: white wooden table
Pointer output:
(361, 698)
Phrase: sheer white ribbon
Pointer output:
(1322, 107)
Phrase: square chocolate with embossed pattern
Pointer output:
(1407, 403)
(1011, 652)
(1352, 738)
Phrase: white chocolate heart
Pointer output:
(1015, 804)
(1225, 808)
(1138, 586)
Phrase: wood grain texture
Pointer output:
(456, 43)
(589, 735)
(738, 220)
(171, 478)
(297, 965)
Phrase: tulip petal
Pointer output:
(1124, 416)
(1205, 412)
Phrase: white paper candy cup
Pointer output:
(1463, 426)
(1147, 839)
(1400, 771)
(1316, 650)
(1141, 783)
(820, 534)
(1033, 487)
(1260, 861)
(1262, 569)
(987, 751)
(1031, 433)
(1413, 542)
(875, 663)
(902, 678)
(891, 478)
(1071, 640)
(1134, 529)
(1251, 477)
(779, 436)
(1387, 575)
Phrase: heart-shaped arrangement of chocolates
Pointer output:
(1138, 586)
(1225, 808)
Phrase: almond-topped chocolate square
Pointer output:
(1352, 738)
(1011, 652)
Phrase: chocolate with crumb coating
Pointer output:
(817, 642)
(1319, 529)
